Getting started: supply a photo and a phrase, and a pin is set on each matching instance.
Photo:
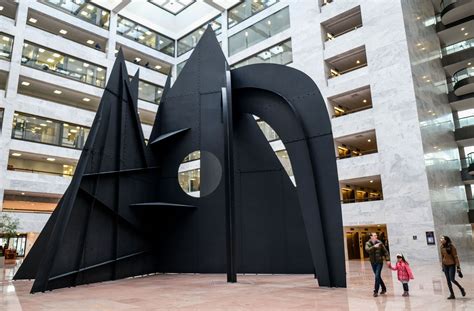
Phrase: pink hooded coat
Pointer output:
(403, 271)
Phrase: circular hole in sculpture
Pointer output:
(199, 174)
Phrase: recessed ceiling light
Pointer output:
(57, 92)
(158, 67)
(371, 181)
(25, 83)
(51, 159)
(49, 121)
(85, 65)
(86, 99)
(466, 33)
(33, 20)
(90, 41)
(5, 38)
(99, 69)
(40, 50)
(424, 77)
(428, 80)
(419, 44)
(16, 154)
(462, 29)
(148, 32)
(63, 32)
(469, 64)
(369, 140)
(141, 37)
(137, 59)
(43, 124)
(22, 193)
(65, 124)
(50, 60)
(358, 62)
(56, 55)
(364, 101)
(1, 8)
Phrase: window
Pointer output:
(346, 62)
(356, 145)
(82, 9)
(260, 31)
(149, 92)
(277, 54)
(342, 23)
(54, 62)
(246, 9)
(361, 189)
(351, 102)
(46, 131)
(188, 42)
(20, 162)
(180, 67)
(145, 36)
(1, 119)
(6, 44)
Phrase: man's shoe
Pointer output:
(383, 292)
(451, 297)
(405, 294)
(463, 292)
(375, 294)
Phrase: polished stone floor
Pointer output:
(253, 292)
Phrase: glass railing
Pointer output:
(145, 36)
(445, 3)
(180, 67)
(278, 54)
(47, 131)
(460, 46)
(149, 92)
(259, 31)
(82, 9)
(189, 41)
(462, 74)
(463, 122)
(246, 9)
(470, 159)
(6, 44)
(63, 65)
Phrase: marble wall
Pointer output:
(420, 195)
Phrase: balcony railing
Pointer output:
(460, 46)
(63, 65)
(149, 92)
(354, 154)
(445, 3)
(247, 9)
(26, 170)
(82, 9)
(365, 199)
(145, 36)
(189, 41)
(462, 74)
(6, 45)
(463, 122)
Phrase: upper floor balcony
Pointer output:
(8, 8)
(6, 45)
(346, 62)
(82, 9)
(54, 62)
(341, 24)
(189, 41)
(247, 9)
(463, 81)
(455, 10)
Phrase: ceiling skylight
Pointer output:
(172, 6)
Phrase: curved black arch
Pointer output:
(309, 143)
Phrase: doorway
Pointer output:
(357, 236)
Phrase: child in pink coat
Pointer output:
(403, 272)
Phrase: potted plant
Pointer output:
(8, 228)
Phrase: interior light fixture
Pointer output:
(364, 101)
(90, 7)
(49, 121)
(56, 55)
(40, 50)
(50, 60)
(90, 41)
(371, 181)
(141, 37)
(25, 83)
(43, 124)
(1, 8)
(358, 62)
(51, 159)
(462, 29)
(469, 64)
(466, 33)
(138, 59)
(57, 92)
(22, 193)
(65, 124)
(86, 99)
(16, 154)
(5, 38)
(158, 67)
(33, 20)
(85, 65)
(99, 69)
(63, 31)
(369, 140)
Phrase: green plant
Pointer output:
(8, 226)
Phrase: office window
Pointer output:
(6, 44)
(145, 36)
(83, 9)
(47, 131)
(277, 54)
(54, 62)
(1, 119)
(149, 92)
(260, 31)
(188, 42)
(180, 67)
(247, 9)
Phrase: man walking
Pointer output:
(377, 254)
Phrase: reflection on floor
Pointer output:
(256, 292)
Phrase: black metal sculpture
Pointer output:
(124, 213)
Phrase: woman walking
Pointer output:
(450, 261)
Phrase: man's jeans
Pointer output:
(377, 267)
